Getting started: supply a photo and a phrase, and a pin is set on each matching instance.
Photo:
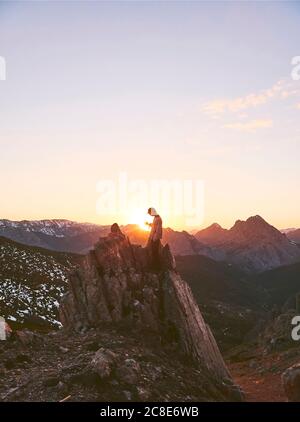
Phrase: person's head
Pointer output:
(152, 212)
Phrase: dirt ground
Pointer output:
(260, 378)
(57, 367)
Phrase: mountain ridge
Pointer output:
(253, 244)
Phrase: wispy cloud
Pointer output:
(280, 90)
(298, 106)
(250, 125)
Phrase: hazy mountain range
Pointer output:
(57, 235)
(252, 245)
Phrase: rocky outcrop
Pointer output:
(116, 285)
(291, 383)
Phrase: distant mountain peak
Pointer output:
(253, 244)
(214, 226)
(251, 223)
(256, 219)
(214, 232)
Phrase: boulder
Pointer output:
(129, 371)
(28, 338)
(291, 383)
(103, 362)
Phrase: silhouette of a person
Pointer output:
(155, 237)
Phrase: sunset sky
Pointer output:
(159, 90)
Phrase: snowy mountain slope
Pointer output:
(55, 227)
(32, 281)
(57, 235)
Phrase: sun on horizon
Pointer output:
(141, 220)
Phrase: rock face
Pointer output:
(291, 383)
(116, 285)
(231, 303)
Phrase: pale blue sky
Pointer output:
(94, 88)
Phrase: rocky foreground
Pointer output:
(100, 365)
(133, 334)
(129, 333)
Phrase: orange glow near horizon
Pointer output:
(140, 219)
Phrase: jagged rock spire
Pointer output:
(116, 285)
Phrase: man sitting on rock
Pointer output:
(155, 237)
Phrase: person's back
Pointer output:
(155, 237)
(156, 229)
